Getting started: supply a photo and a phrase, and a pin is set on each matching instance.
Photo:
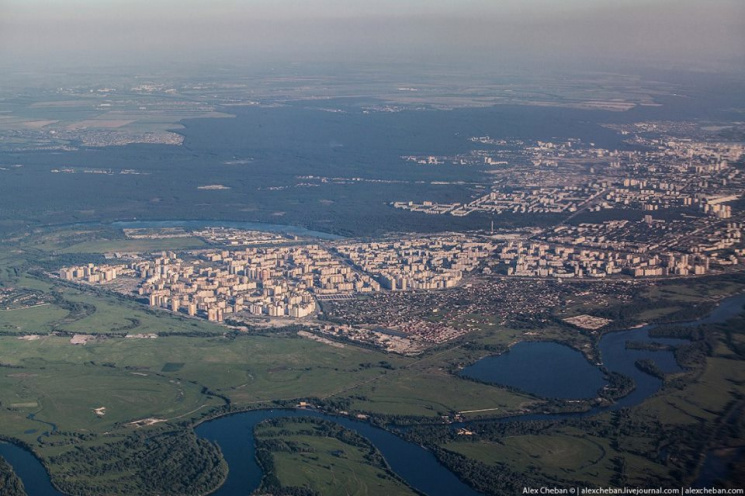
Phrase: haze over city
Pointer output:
(674, 33)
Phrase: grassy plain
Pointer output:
(432, 392)
(31, 320)
(707, 398)
(135, 245)
(326, 464)
(62, 384)
(562, 454)
(96, 313)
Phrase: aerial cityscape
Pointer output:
(399, 248)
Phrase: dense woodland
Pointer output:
(175, 463)
(10, 484)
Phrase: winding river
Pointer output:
(416, 465)
(413, 463)
(29, 469)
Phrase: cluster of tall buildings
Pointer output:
(287, 281)
(277, 281)
(418, 263)
(544, 200)
(547, 260)
(273, 281)
(90, 273)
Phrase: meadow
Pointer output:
(324, 459)
(67, 401)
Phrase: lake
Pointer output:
(552, 370)
(546, 369)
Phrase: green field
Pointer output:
(39, 319)
(694, 290)
(657, 313)
(135, 245)
(63, 384)
(433, 392)
(89, 312)
(562, 454)
(707, 398)
(311, 456)
(248, 369)
(581, 457)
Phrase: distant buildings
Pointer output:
(660, 177)
(89, 273)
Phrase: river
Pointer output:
(29, 469)
(417, 466)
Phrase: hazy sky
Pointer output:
(100, 31)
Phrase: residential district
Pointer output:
(667, 207)
(250, 285)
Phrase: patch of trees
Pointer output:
(648, 346)
(383, 364)
(530, 321)
(495, 349)
(624, 315)
(161, 462)
(491, 430)
(619, 471)
(649, 367)
(618, 386)
(692, 355)
(10, 484)
(187, 334)
(676, 332)
(487, 479)
(731, 331)
(336, 404)
(133, 324)
(690, 313)
(60, 260)
(76, 310)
